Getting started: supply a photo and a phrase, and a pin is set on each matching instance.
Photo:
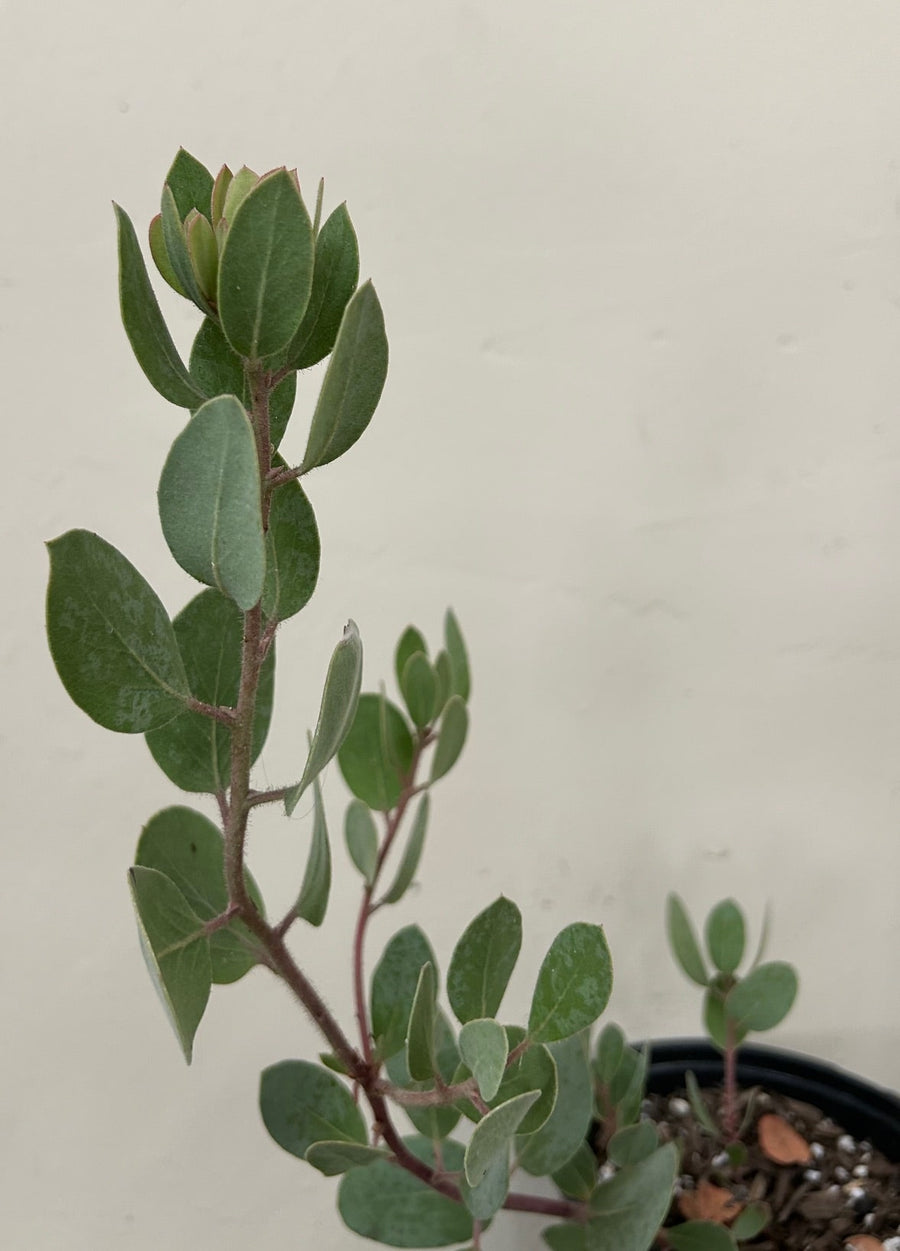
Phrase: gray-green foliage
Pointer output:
(734, 1005)
(276, 292)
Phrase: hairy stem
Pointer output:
(729, 1094)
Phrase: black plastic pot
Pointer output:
(863, 1110)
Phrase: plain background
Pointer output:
(640, 265)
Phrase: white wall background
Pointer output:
(641, 270)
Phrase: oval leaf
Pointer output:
(191, 183)
(459, 660)
(412, 854)
(567, 1126)
(493, 1134)
(411, 641)
(483, 961)
(313, 899)
(419, 686)
(609, 1052)
(452, 737)
(332, 1158)
(147, 332)
(377, 753)
(700, 1236)
(335, 277)
(764, 997)
(177, 252)
(573, 985)
(483, 1047)
(487, 1197)
(209, 502)
(633, 1143)
(683, 941)
(266, 268)
(394, 985)
(176, 951)
(292, 553)
(353, 381)
(437, 1120)
(629, 1208)
(420, 1046)
(725, 936)
(111, 639)
(193, 750)
(391, 1206)
(188, 849)
(340, 698)
(302, 1104)
(362, 839)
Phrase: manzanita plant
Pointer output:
(278, 292)
(734, 1005)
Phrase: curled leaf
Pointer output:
(780, 1142)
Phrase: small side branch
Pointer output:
(225, 715)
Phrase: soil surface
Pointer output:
(844, 1193)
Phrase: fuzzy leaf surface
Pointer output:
(191, 184)
(193, 750)
(725, 936)
(764, 997)
(487, 1197)
(683, 941)
(494, 1132)
(209, 502)
(412, 854)
(437, 1120)
(147, 332)
(573, 985)
(452, 737)
(302, 1103)
(340, 698)
(361, 837)
(390, 1205)
(484, 1048)
(335, 276)
(459, 660)
(629, 1209)
(483, 961)
(377, 753)
(313, 899)
(111, 639)
(353, 381)
(547, 1150)
(266, 267)
(176, 951)
(188, 849)
(394, 983)
(333, 1158)
(293, 552)
(421, 1058)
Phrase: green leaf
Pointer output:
(419, 687)
(459, 661)
(628, 1104)
(683, 941)
(700, 1236)
(568, 1237)
(493, 1134)
(333, 1158)
(535, 1069)
(313, 899)
(340, 697)
(483, 961)
(434, 1121)
(390, 1205)
(764, 997)
(302, 1103)
(698, 1107)
(633, 1143)
(626, 1075)
(412, 854)
(629, 1209)
(193, 750)
(292, 553)
(751, 1221)
(573, 985)
(266, 267)
(411, 641)
(394, 985)
(568, 1124)
(203, 251)
(110, 637)
(161, 256)
(191, 184)
(714, 1019)
(219, 192)
(487, 1197)
(421, 1059)
(725, 936)
(483, 1047)
(362, 839)
(237, 191)
(209, 502)
(375, 758)
(353, 381)
(176, 950)
(177, 251)
(451, 739)
(578, 1176)
(188, 849)
(335, 277)
(147, 332)
(215, 366)
(609, 1052)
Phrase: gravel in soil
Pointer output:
(846, 1189)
